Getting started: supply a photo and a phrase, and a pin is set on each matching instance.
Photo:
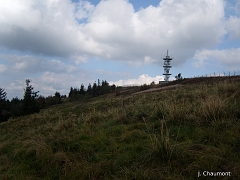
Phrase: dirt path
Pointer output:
(157, 89)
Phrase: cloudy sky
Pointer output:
(63, 43)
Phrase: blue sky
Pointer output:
(58, 44)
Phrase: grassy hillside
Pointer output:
(170, 134)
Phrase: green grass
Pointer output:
(169, 134)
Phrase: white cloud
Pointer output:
(42, 27)
(56, 36)
(27, 64)
(48, 83)
(233, 27)
(48, 76)
(229, 58)
(15, 89)
(83, 10)
(181, 26)
(112, 29)
(146, 61)
(143, 79)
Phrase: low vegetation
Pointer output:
(169, 134)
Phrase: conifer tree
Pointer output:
(57, 96)
(71, 92)
(3, 95)
(30, 104)
(4, 114)
(95, 89)
(82, 90)
(89, 89)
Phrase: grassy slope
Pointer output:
(170, 134)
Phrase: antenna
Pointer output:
(167, 66)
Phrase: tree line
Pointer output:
(32, 102)
(94, 90)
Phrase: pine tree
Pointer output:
(71, 92)
(95, 89)
(57, 96)
(30, 104)
(4, 114)
(3, 95)
(89, 89)
(82, 91)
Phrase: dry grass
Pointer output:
(170, 134)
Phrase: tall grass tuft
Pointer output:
(161, 148)
(175, 111)
(213, 109)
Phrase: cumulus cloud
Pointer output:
(143, 79)
(42, 27)
(229, 58)
(112, 29)
(180, 26)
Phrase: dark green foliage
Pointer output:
(73, 92)
(94, 90)
(3, 95)
(89, 89)
(113, 88)
(3, 100)
(105, 88)
(16, 107)
(4, 115)
(52, 100)
(144, 87)
(30, 104)
(4, 106)
(152, 83)
(41, 100)
(57, 95)
(179, 77)
(82, 90)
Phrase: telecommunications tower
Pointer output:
(167, 66)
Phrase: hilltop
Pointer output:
(169, 131)
(172, 84)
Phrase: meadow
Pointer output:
(170, 134)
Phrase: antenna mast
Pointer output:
(167, 66)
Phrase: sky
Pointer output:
(59, 44)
